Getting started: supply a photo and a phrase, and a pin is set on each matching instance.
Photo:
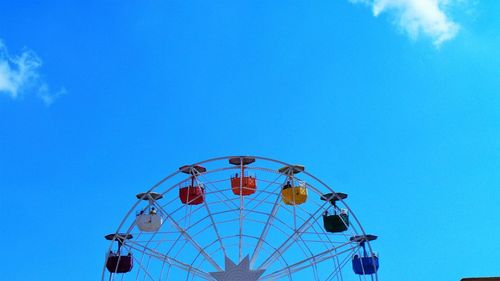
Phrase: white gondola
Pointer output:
(149, 220)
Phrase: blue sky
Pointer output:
(393, 102)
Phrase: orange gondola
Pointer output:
(243, 185)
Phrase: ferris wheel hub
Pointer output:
(240, 272)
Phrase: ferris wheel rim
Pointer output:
(163, 180)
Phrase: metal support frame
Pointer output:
(311, 257)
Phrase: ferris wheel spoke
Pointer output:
(338, 269)
(210, 215)
(137, 261)
(267, 194)
(240, 242)
(309, 261)
(289, 242)
(265, 231)
(270, 220)
(188, 237)
(224, 200)
(215, 227)
(170, 260)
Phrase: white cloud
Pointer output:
(419, 17)
(47, 96)
(20, 74)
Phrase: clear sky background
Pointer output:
(394, 102)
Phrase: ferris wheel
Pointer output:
(240, 218)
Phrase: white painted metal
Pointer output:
(188, 242)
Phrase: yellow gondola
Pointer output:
(294, 195)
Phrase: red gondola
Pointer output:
(115, 261)
(193, 194)
(119, 264)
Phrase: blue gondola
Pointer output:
(366, 264)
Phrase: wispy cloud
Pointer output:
(20, 74)
(47, 96)
(419, 17)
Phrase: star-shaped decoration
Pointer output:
(240, 272)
